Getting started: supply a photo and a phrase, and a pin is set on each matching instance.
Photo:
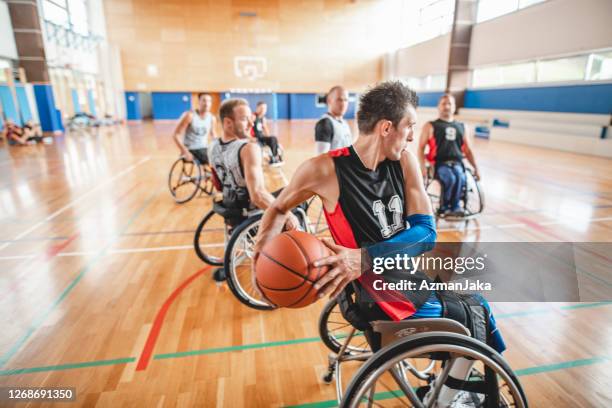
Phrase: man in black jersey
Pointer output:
(372, 194)
(448, 141)
(364, 189)
(262, 133)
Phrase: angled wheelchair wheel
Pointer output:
(184, 180)
(209, 239)
(206, 183)
(239, 264)
(334, 330)
(388, 378)
(473, 200)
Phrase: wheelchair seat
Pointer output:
(391, 332)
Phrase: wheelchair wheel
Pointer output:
(388, 379)
(334, 329)
(473, 200)
(209, 239)
(206, 183)
(184, 180)
(239, 264)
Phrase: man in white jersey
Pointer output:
(331, 131)
(237, 164)
(195, 126)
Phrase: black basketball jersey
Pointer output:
(370, 209)
(448, 141)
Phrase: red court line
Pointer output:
(56, 249)
(147, 351)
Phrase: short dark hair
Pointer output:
(387, 100)
(332, 90)
(447, 95)
(201, 94)
(262, 103)
(227, 107)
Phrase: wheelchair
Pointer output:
(225, 237)
(187, 178)
(406, 363)
(472, 196)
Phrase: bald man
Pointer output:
(331, 131)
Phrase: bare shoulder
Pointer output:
(319, 166)
(408, 160)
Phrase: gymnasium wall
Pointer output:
(429, 57)
(8, 48)
(551, 28)
(593, 98)
(309, 45)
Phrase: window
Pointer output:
(78, 16)
(562, 69)
(594, 66)
(435, 82)
(429, 19)
(600, 66)
(489, 9)
(55, 12)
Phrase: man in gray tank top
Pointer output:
(237, 163)
(331, 131)
(195, 126)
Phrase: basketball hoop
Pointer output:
(250, 68)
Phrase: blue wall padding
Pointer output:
(170, 105)
(8, 104)
(91, 102)
(594, 98)
(50, 116)
(429, 99)
(132, 104)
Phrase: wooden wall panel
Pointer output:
(309, 45)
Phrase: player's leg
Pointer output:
(459, 174)
(447, 178)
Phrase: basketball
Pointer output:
(284, 271)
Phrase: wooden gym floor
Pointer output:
(99, 278)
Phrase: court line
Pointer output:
(147, 351)
(315, 339)
(519, 373)
(16, 371)
(68, 366)
(75, 201)
(58, 238)
(84, 270)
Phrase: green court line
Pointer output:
(561, 366)
(39, 321)
(528, 371)
(236, 348)
(523, 372)
(69, 366)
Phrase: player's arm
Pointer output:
(179, 131)
(250, 157)
(469, 153)
(305, 183)
(213, 132)
(324, 131)
(420, 235)
(426, 133)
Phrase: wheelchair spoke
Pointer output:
(341, 327)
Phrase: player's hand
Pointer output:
(188, 156)
(345, 267)
(292, 222)
(476, 174)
